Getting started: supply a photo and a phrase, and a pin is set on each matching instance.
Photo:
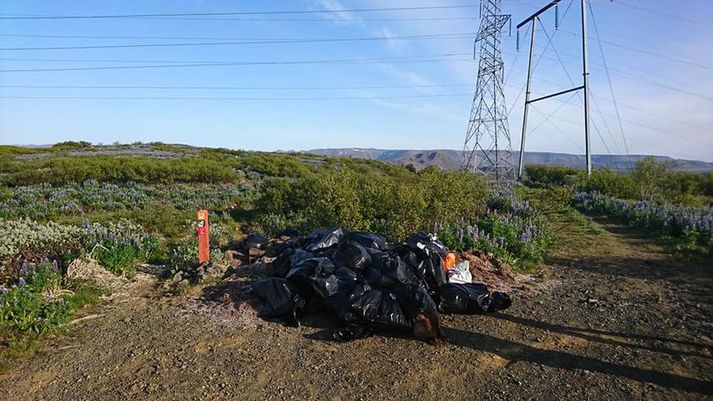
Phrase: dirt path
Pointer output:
(616, 318)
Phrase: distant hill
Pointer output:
(451, 159)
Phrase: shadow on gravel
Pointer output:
(514, 352)
(670, 270)
(327, 334)
(594, 335)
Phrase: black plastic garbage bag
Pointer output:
(387, 271)
(346, 281)
(391, 314)
(298, 255)
(281, 297)
(253, 241)
(427, 268)
(432, 269)
(323, 238)
(351, 332)
(351, 255)
(423, 242)
(378, 308)
(282, 264)
(422, 312)
(288, 258)
(369, 240)
(365, 307)
(408, 308)
(290, 232)
(314, 277)
(428, 259)
(471, 298)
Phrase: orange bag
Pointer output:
(450, 261)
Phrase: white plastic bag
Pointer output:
(460, 273)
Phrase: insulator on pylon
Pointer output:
(557, 16)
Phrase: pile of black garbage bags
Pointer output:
(369, 285)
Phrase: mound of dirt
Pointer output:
(494, 273)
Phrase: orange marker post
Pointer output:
(203, 237)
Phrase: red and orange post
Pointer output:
(203, 237)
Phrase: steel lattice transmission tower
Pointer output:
(487, 147)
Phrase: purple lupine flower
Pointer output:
(25, 268)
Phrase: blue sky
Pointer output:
(659, 57)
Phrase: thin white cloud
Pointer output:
(338, 16)
(411, 77)
(386, 34)
(424, 108)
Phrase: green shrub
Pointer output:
(612, 183)
(544, 176)
(32, 306)
(651, 177)
(28, 308)
(70, 145)
(120, 259)
(515, 234)
(63, 170)
(33, 241)
(274, 165)
(370, 200)
(184, 257)
(25, 311)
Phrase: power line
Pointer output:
(663, 13)
(413, 59)
(262, 19)
(237, 98)
(628, 69)
(552, 123)
(679, 59)
(571, 81)
(409, 59)
(648, 127)
(113, 16)
(629, 76)
(611, 87)
(66, 60)
(547, 117)
(248, 42)
(142, 37)
(230, 87)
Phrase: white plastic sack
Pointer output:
(460, 273)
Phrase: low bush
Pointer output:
(692, 225)
(64, 170)
(544, 176)
(44, 201)
(515, 234)
(372, 201)
(612, 183)
(651, 180)
(36, 304)
(121, 244)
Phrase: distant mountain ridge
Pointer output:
(451, 159)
